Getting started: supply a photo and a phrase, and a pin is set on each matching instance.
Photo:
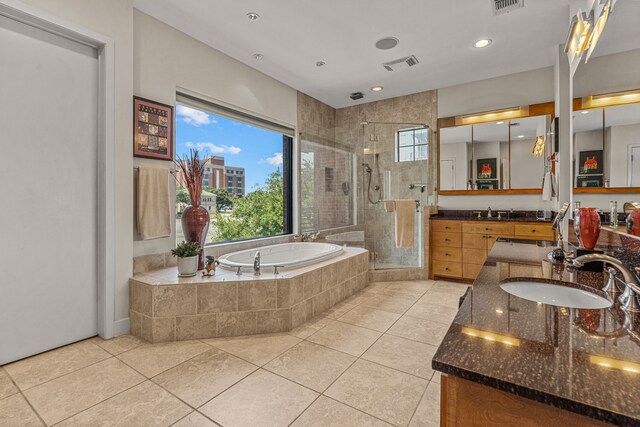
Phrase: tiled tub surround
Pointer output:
(165, 308)
(553, 362)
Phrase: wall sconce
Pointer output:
(585, 30)
(538, 146)
(609, 99)
(491, 116)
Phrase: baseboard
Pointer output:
(121, 326)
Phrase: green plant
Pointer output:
(186, 249)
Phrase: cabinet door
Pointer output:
(486, 227)
(470, 271)
(534, 231)
(474, 241)
(440, 253)
(439, 238)
(446, 226)
(449, 269)
(474, 256)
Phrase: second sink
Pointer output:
(557, 293)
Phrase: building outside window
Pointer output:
(412, 144)
(255, 157)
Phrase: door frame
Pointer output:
(453, 160)
(630, 148)
(19, 11)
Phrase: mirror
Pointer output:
(607, 147)
(456, 154)
(500, 155)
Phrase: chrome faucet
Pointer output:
(629, 298)
(256, 264)
(489, 214)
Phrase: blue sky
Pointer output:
(257, 150)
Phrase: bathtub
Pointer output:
(287, 255)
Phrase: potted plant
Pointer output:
(195, 218)
(187, 254)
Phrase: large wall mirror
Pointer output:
(606, 148)
(510, 155)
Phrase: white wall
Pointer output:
(457, 151)
(114, 19)
(167, 59)
(526, 170)
(618, 151)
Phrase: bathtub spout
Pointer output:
(256, 264)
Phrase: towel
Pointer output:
(549, 186)
(389, 205)
(405, 219)
(154, 215)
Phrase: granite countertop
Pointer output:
(469, 215)
(494, 219)
(553, 353)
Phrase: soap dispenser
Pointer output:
(613, 221)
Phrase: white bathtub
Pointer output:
(287, 255)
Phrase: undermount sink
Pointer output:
(558, 294)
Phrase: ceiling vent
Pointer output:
(356, 95)
(500, 7)
(401, 63)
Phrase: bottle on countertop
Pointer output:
(614, 214)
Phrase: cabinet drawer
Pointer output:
(440, 238)
(480, 227)
(474, 256)
(444, 268)
(474, 241)
(538, 231)
(439, 253)
(470, 271)
(446, 226)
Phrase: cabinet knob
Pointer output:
(486, 229)
(446, 227)
(447, 240)
(446, 254)
(533, 231)
(447, 268)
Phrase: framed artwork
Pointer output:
(486, 169)
(591, 162)
(589, 181)
(487, 184)
(152, 129)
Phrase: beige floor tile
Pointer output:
(371, 318)
(338, 310)
(361, 297)
(257, 350)
(198, 380)
(380, 391)
(311, 365)
(261, 399)
(81, 389)
(404, 355)
(395, 303)
(119, 344)
(35, 370)
(414, 288)
(15, 411)
(145, 405)
(349, 339)
(311, 327)
(440, 297)
(152, 359)
(429, 310)
(428, 412)
(436, 377)
(327, 412)
(7, 388)
(195, 419)
(452, 287)
(421, 330)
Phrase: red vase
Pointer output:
(587, 225)
(633, 222)
(195, 225)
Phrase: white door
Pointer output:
(48, 178)
(447, 175)
(634, 166)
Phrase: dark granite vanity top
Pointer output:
(553, 355)
(469, 215)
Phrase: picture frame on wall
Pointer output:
(152, 129)
(486, 169)
(591, 162)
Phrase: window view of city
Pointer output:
(243, 187)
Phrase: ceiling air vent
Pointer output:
(501, 7)
(401, 63)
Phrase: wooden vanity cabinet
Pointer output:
(459, 248)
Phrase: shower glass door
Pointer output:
(395, 167)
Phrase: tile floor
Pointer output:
(366, 362)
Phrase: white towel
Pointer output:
(547, 187)
(154, 215)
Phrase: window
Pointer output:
(412, 144)
(256, 152)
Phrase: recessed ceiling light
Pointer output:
(258, 56)
(584, 112)
(520, 136)
(482, 43)
(377, 88)
(499, 123)
(253, 16)
(387, 43)
(320, 63)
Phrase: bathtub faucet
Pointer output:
(256, 264)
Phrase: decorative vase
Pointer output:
(188, 266)
(587, 226)
(195, 225)
(633, 222)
